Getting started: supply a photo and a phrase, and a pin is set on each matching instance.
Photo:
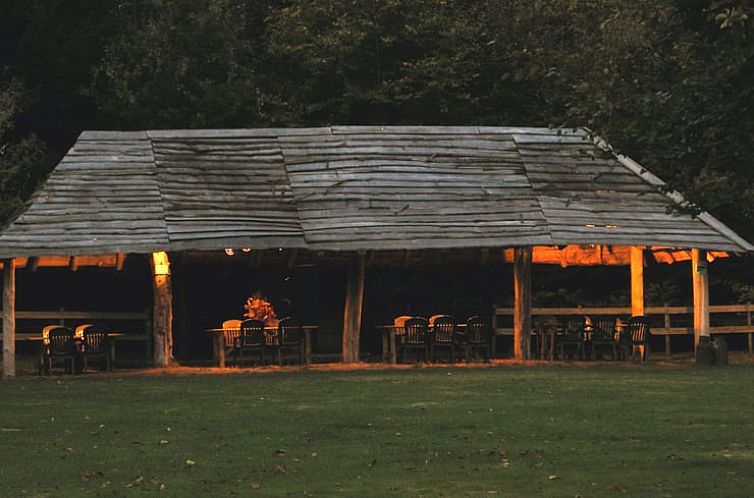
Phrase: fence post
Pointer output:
(748, 324)
(667, 328)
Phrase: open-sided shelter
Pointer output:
(524, 194)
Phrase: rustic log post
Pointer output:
(522, 302)
(667, 329)
(353, 307)
(701, 295)
(162, 315)
(637, 281)
(9, 318)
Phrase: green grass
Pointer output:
(505, 431)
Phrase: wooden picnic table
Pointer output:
(388, 334)
(218, 343)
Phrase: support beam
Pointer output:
(701, 295)
(484, 257)
(162, 311)
(32, 264)
(292, 258)
(73, 263)
(637, 281)
(406, 258)
(9, 319)
(120, 261)
(522, 302)
(353, 307)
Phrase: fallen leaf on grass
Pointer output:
(255, 485)
(190, 463)
(315, 454)
(552, 477)
(136, 482)
(163, 442)
(280, 452)
(279, 469)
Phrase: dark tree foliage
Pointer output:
(668, 81)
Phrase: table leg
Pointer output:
(111, 353)
(393, 359)
(220, 349)
(307, 347)
(385, 347)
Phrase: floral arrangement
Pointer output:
(259, 308)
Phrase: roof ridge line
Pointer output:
(548, 228)
(159, 187)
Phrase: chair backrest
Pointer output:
(288, 331)
(399, 321)
(79, 330)
(573, 330)
(231, 330)
(252, 333)
(443, 328)
(415, 330)
(477, 331)
(60, 339)
(95, 339)
(603, 328)
(638, 330)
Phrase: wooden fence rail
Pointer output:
(725, 319)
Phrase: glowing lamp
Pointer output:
(161, 263)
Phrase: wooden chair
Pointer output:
(603, 337)
(231, 332)
(415, 337)
(477, 338)
(571, 341)
(443, 336)
(251, 339)
(399, 321)
(546, 329)
(638, 333)
(59, 345)
(96, 345)
(290, 338)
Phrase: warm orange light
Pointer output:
(161, 263)
(599, 254)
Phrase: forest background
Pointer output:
(669, 82)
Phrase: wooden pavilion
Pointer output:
(527, 195)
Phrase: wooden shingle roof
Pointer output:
(350, 188)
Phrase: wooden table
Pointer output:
(388, 333)
(218, 343)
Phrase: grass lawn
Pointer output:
(560, 431)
